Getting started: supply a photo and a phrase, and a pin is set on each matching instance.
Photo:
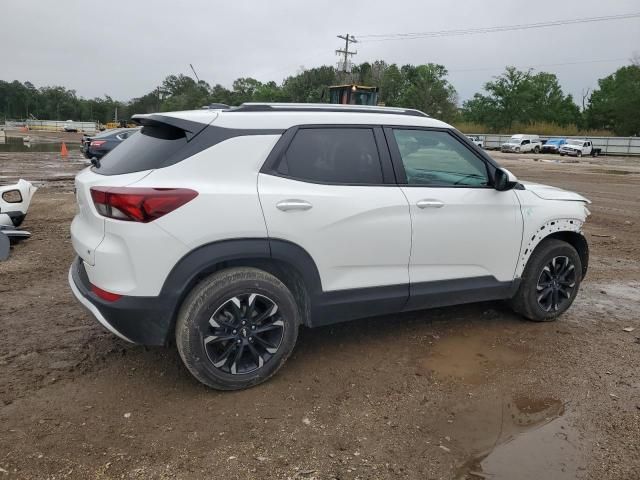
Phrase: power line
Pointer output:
(503, 28)
(578, 62)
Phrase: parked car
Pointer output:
(14, 202)
(69, 126)
(476, 140)
(99, 145)
(522, 143)
(553, 145)
(578, 148)
(226, 231)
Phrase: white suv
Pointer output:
(227, 230)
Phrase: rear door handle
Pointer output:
(429, 203)
(293, 204)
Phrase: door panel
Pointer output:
(359, 236)
(475, 232)
(461, 227)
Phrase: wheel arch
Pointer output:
(566, 229)
(578, 241)
(288, 262)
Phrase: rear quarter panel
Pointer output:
(225, 177)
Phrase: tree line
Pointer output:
(515, 97)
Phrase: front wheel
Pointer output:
(578, 153)
(237, 328)
(536, 150)
(550, 281)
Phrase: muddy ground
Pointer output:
(462, 392)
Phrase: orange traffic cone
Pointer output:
(63, 150)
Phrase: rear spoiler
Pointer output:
(189, 127)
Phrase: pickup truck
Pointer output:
(578, 148)
(522, 143)
(476, 140)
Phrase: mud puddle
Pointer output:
(517, 438)
(554, 450)
(471, 359)
(505, 435)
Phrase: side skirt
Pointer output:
(339, 306)
(459, 291)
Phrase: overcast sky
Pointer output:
(126, 48)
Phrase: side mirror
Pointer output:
(504, 180)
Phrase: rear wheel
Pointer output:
(237, 328)
(550, 281)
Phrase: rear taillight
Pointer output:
(139, 204)
(97, 143)
(104, 295)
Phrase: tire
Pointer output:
(210, 324)
(562, 154)
(536, 150)
(578, 153)
(539, 272)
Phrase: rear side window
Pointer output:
(333, 155)
(144, 150)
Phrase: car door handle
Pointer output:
(293, 204)
(429, 203)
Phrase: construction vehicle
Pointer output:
(353, 94)
(119, 124)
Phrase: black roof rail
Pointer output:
(324, 107)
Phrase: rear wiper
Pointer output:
(95, 162)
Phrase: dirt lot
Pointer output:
(464, 392)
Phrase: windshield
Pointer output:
(575, 142)
(555, 141)
(514, 139)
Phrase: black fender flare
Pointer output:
(208, 258)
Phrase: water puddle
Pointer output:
(519, 439)
(17, 144)
(612, 172)
(550, 451)
(504, 436)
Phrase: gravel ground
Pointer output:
(461, 392)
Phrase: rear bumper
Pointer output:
(93, 154)
(142, 320)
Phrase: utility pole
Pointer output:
(345, 65)
(194, 72)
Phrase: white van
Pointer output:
(522, 143)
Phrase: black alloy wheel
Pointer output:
(556, 283)
(244, 333)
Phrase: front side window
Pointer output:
(333, 155)
(433, 158)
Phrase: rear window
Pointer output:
(333, 155)
(145, 150)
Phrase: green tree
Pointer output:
(309, 86)
(391, 86)
(615, 104)
(427, 89)
(521, 97)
